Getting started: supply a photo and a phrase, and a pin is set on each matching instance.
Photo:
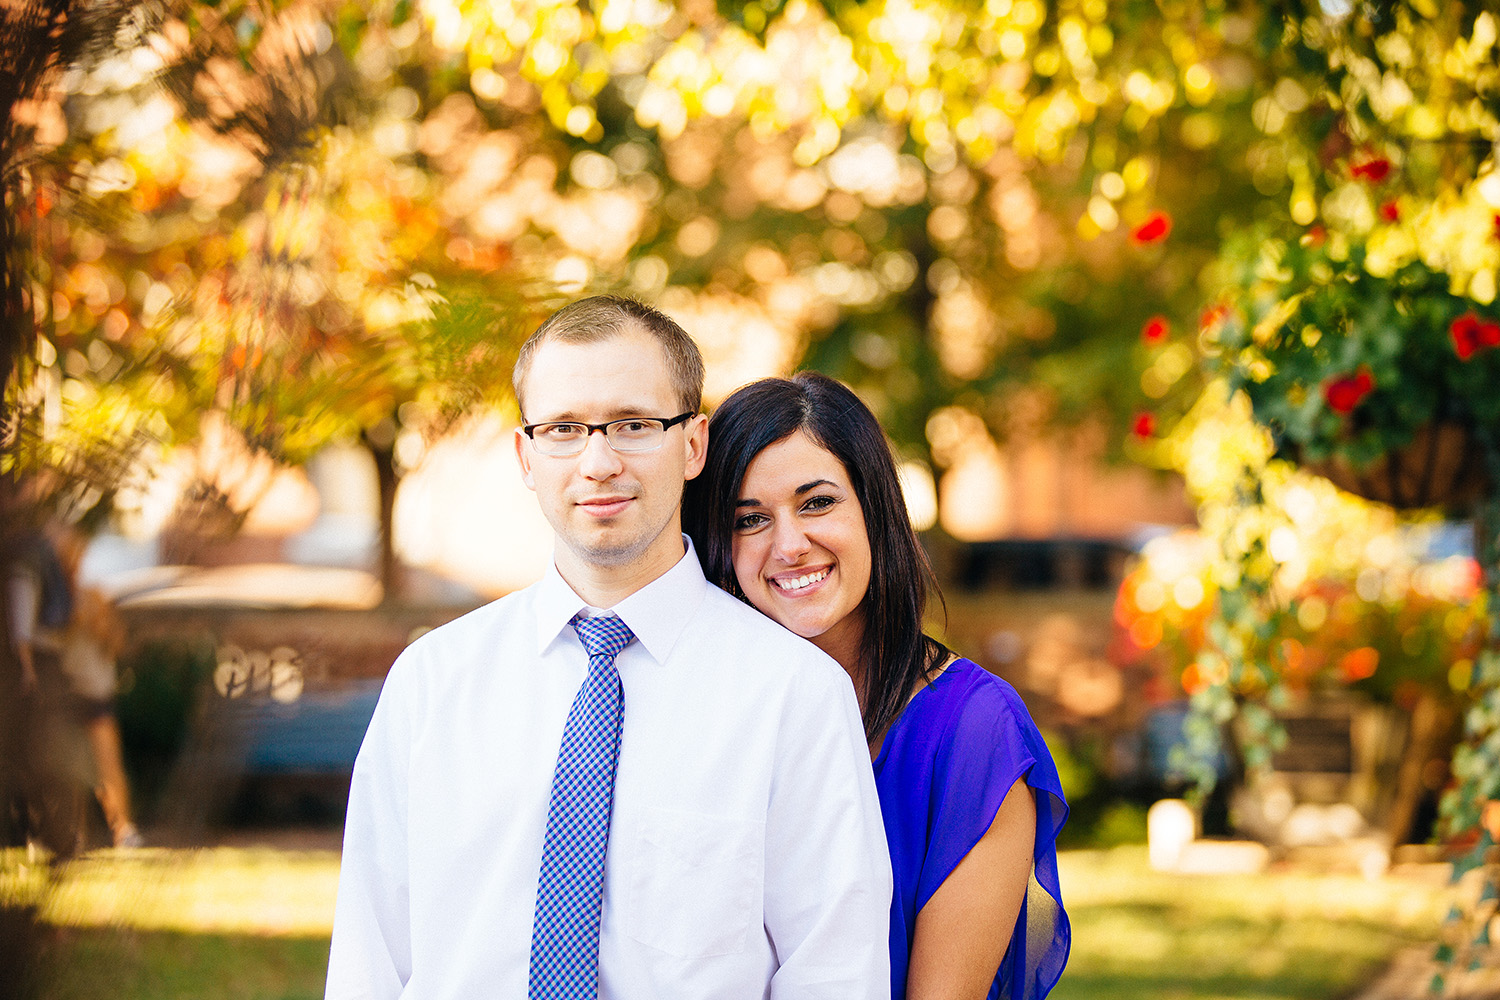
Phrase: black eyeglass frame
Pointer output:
(667, 423)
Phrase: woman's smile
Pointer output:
(801, 554)
(798, 584)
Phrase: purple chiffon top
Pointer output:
(942, 772)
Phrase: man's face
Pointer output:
(610, 510)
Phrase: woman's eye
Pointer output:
(749, 522)
(819, 503)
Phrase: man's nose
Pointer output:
(599, 460)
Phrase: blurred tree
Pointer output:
(232, 242)
(1001, 208)
(39, 40)
(935, 200)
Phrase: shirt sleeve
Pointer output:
(991, 744)
(370, 955)
(828, 874)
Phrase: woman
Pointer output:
(799, 513)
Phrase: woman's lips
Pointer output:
(801, 582)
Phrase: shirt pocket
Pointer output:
(696, 890)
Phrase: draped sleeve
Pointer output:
(942, 774)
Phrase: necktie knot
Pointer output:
(603, 635)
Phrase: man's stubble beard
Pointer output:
(612, 556)
(606, 555)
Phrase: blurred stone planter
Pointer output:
(1441, 467)
(1352, 771)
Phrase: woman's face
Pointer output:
(801, 553)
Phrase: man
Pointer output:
(670, 798)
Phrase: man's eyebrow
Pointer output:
(622, 413)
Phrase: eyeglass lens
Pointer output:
(622, 435)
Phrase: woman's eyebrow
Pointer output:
(752, 502)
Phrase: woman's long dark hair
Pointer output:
(895, 654)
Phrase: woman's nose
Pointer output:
(790, 542)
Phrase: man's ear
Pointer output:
(523, 459)
(696, 443)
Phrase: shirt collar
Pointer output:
(657, 613)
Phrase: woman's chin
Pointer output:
(801, 625)
(806, 631)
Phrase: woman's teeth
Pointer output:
(801, 582)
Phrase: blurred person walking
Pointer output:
(64, 643)
(37, 606)
(91, 646)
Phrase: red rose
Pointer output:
(1156, 330)
(1154, 229)
(1315, 237)
(1390, 211)
(1465, 333)
(1213, 316)
(1470, 334)
(1373, 170)
(1145, 425)
(1345, 392)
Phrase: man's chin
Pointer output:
(609, 549)
(610, 558)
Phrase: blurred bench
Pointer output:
(319, 733)
(1042, 563)
(297, 757)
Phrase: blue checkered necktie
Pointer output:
(565, 938)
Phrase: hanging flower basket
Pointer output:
(1441, 467)
(1377, 379)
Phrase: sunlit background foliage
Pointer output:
(256, 228)
(934, 201)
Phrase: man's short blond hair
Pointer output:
(603, 316)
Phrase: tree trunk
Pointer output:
(381, 445)
(1430, 737)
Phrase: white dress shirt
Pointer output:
(746, 852)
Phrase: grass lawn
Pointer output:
(223, 923)
(1282, 934)
(252, 924)
(125, 964)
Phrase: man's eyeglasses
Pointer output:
(563, 438)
